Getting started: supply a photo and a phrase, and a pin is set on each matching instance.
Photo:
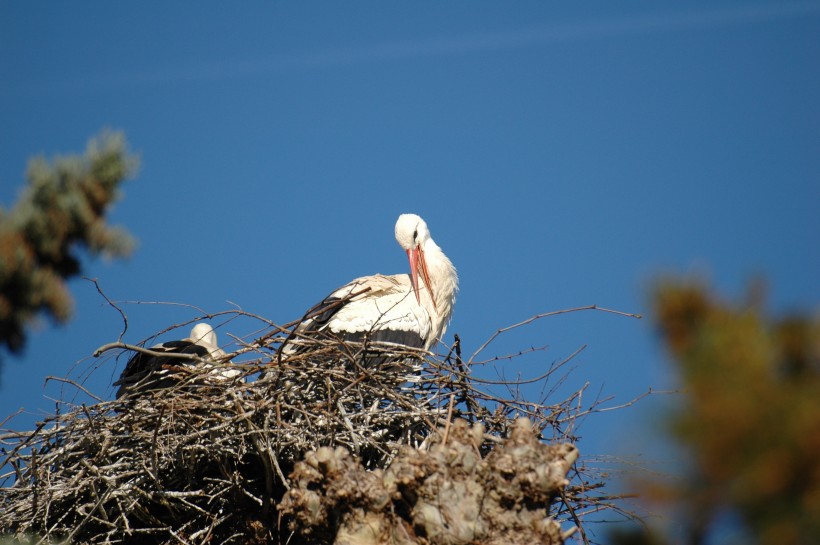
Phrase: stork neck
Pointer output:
(443, 278)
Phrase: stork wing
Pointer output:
(145, 372)
(379, 308)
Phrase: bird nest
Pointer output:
(218, 461)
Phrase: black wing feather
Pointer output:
(321, 313)
(318, 316)
(145, 372)
(410, 339)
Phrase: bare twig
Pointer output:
(208, 459)
(545, 315)
(73, 383)
(112, 305)
(111, 346)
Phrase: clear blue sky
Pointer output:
(563, 155)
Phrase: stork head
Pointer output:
(204, 335)
(412, 234)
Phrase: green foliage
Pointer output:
(61, 210)
(750, 417)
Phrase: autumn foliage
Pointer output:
(749, 417)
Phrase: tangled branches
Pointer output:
(209, 461)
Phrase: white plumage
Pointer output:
(411, 310)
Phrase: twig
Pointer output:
(141, 350)
(112, 305)
(449, 418)
(545, 315)
(71, 382)
(575, 518)
(170, 465)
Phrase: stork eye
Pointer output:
(415, 235)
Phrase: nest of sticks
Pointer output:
(221, 461)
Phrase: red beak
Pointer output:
(418, 263)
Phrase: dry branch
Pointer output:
(210, 461)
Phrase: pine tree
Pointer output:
(61, 210)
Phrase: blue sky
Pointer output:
(563, 155)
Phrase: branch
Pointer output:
(545, 315)
(155, 353)
(111, 303)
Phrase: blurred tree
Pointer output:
(749, 417)
(61, 209)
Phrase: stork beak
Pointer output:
(419, 264)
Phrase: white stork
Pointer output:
(146, 372)
(411, 310)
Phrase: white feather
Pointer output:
(382, 302)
